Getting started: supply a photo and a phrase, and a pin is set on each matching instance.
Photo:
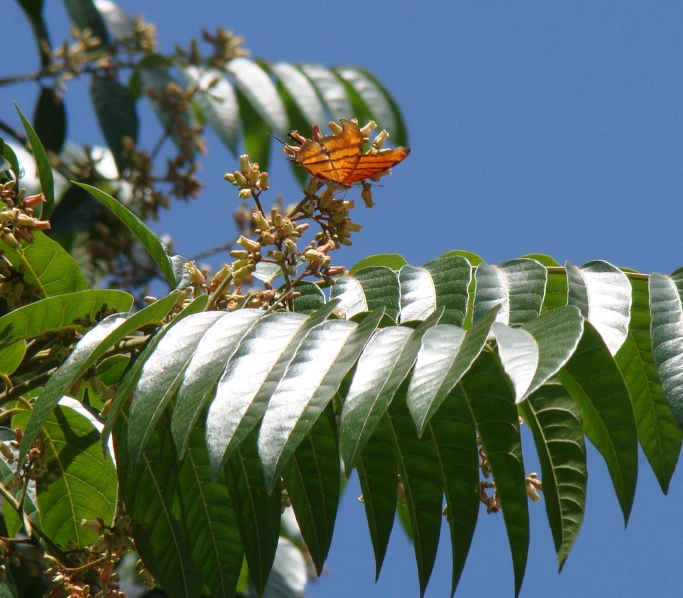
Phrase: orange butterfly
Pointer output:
(340, 159)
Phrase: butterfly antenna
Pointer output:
(277, 139)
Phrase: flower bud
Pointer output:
(335, 128)
(239, 254)
(260, 221)
(302, 228)
(311, 187)
(336, 270)
(289, 247)
(244, 164)
(264, 181)
(352, 226)
(313, 255)
(267, 238)
(369, 128)
(378, 141)
(222, 274)
(249, 244)
(242, 273)
(240, 179)
(288, 228)
(244, 193)
(228, 176)
(33, 200)
(348, 204)
(366, 195)
(9, 239)
(92, 524)
(6, 451)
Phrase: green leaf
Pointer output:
(667, 339)
(374, 96)
(451, 277)
(289, 575)
(378, 475)
(330, 89)
(518, 286)
(49, 119)
(34, 12)
(115, 110)
(149, 240)
(447, 352)
(255, 130)
(493, 409)
(557, 334)
(119, 23)
(13, 521)
(85, 479)
(389, 260)
(58, 313)
(312, 479)
(370, 289)
(472, 258)
(603, 294)
(132, 375)
(47, 182)
(148, 493)
(659, 434)
(316, 371)
(47, 266)
(301, 91)
(454, 435)
(593, 379)
(91, 347)
(11, 357)
(161, 376)
(11, 158)
(85, 16)
(258, 511)
(555, 421)
(382, 367)
(519, 355)
(217, 101)
(310, 299)
(398, 129)
(209, 515)
(208, 363)
(421, 480)
(266, 272)
(260, 92)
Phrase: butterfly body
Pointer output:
(339, 158)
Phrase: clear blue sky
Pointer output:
(535, 127)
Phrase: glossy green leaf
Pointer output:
(147, 238)
(208, 362)
(519, 355)
(331, 90)
(593, 379)
(148, 494)
(301, 91)
(210, 518)
(91, 347)
(132, 375)
(453, 433)
(248, 382)
(451, 277)
(389, 260)
(311, 297)
(10, 158)
(312, 479)
(217, 101)
(255, 131)
(258, 511)
(603, 294)
(118, 22)
(49, 119)
(659, 434)
(47, 266)
(422, 484)
(289, 575)
(260, 91)
(518, 286)
(115, 110)
(555, 421)
(58, 313)
(315, 373)
(371, 288)
(666, 329)
(47, 182)
(447, 352)
(493, 408)
(266, 272)
(161, 376)
(378, 476)
(85, 479)
(382, 367)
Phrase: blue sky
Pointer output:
(534, 127)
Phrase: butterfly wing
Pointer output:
(334, 157)
(370, 165)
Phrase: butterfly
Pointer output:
(340, 159)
